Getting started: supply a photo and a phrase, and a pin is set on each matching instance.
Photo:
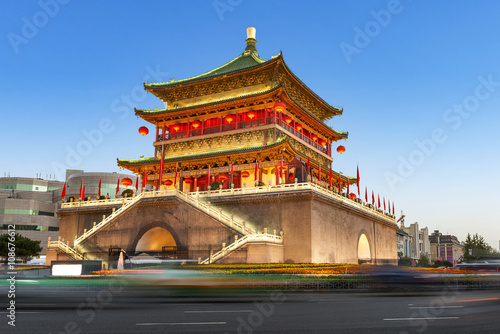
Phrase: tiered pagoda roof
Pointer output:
(206, 120)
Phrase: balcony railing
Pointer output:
(194, 196)
(244, 125)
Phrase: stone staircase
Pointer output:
(192, 199)
(239, 243)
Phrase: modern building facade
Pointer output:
(445, 247)
(111, 184)
(31, 205)
(420, 244)
(404, 241)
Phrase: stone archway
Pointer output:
(154, 240)
(155, 235)
(364, 252)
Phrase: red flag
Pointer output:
(319, 172)
(99, 189)
(175, 177)
(208, 178)
(63, 193)
(366, 195)
(137, 184)
(378, 206)
(145, 179)
(347, 186)
(308, 166)
(277, 175)
(81, 188)
(357, 179)
(393, 208)
(384, 204)
(330, 177)
(373, 198)
(281, 170)
(340, 184)
(82, 194)
(231, 181)
(256, 171)
(162, 164)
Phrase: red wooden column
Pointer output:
(274, 128)
(157, 133)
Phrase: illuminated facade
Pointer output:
(248, 120)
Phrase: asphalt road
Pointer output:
(52, 310)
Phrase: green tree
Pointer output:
(24, 247)
(404, 261)
(127, 193)
(215, 185)
(424, 260)
(475, 247)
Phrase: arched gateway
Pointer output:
(364, 253)
(156, 237)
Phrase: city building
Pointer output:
(419, 244)
(31, 205)
(110, 183)
(241, 170)
(445, 247)
(404, 241)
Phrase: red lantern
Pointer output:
(352, 196)
(284, 167)
(323, 142)
(314, 137)
(341, 149)
(223, 177)
(251, 114)
(229, 119)
(299, 127)
(279, 106)
(168, 182)
(143, 130)
(188, 181)
(126, 182)
(176, 127)
(245, 174)
(288, 120)
(196, 124)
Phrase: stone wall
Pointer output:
(316, 228)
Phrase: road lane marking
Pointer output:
(190, 304)
(429, 318)
(180, 323)
(211, 311)
(475, 300)
(27, 312)
(419, 307)
(24, 304)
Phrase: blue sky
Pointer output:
(402, 70)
